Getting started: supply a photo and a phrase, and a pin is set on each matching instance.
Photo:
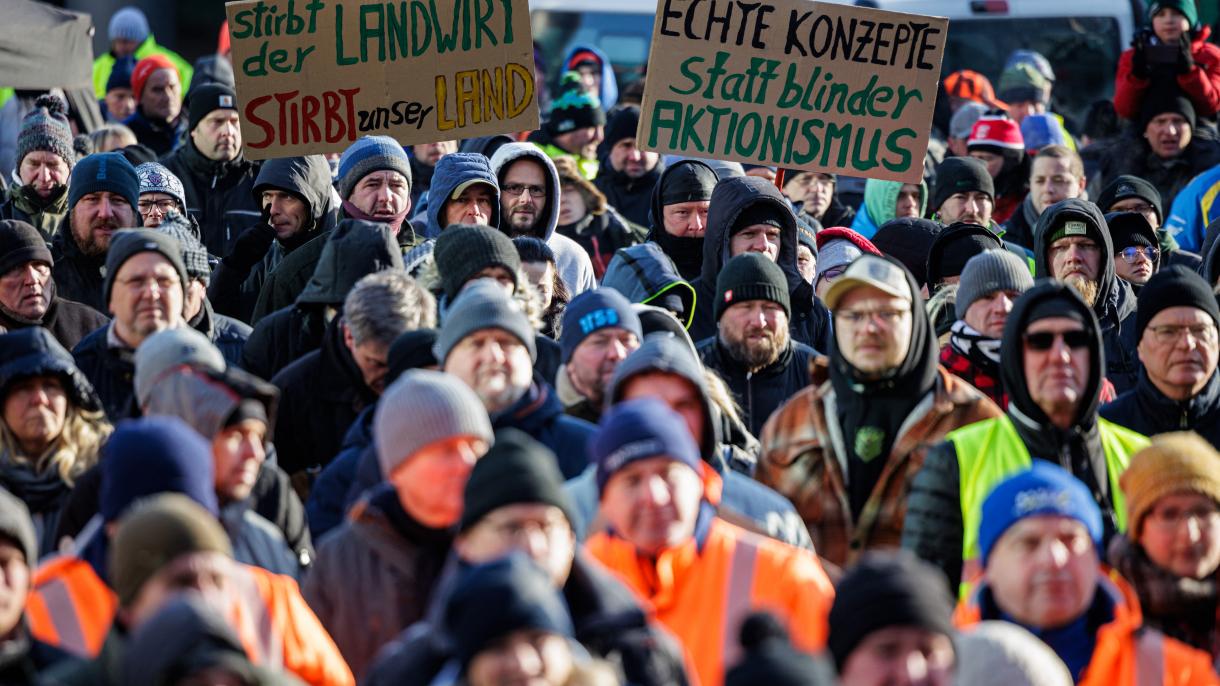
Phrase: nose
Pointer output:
(478, 213)
(104, 208)
(696, 223)
(1057, 554)
(635, 155)
(617, 351)
(1193, 531)
(916, 668)
(1005, 303)
(658, 492)
(524, 659)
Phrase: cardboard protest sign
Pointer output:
(793, 83)
(315, 75)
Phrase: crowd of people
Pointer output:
(550, 408)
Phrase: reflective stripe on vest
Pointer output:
(69, 607)
(1149, 658)
(738, 599)
(256, 626)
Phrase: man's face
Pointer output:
(497, 273)
(494, 364)
(686, 219)
(1052, 180)
(218, 136)
(1168, 135)
(23, 290)
(154, 207)
(542, 276)
(900, 655)
(595, 359)
(873, 330)
(591, 78)
(430, 482)
(1021, 109)
(205, 573)
(988, 314)
(472, 206)
(95, 218)
(755, 332)
(162, 95)
(14, 585)
(382, 194)
(994, 162)
(760, 238)
(908, 201)
(44, 171)
(523, 198)
(35, 410)
(431, 153)
(974, 207)
(1170, 25)
(1056, 358)
(653, 503)
(1136, 263)
(525, 656)
(536, 529)
(627, 157)
(1179, 351)
(1043, 571)
(120, 103)
(146, 297)
(1137, 205)
(1077, 260)
(370, 357)
(238, 454)
(1181, 534)
(806, 262)
(681, 395)
(582, 142)
(287, 213)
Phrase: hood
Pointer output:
(511, 152)
(355, 249)
(731, 198)
(205, 400)
(655, 221)
(33, 351)
(609, 91)
(881, 199)
(1021, 406)
(307, 177)
(450, 172)
(1087, 211)
(644, 273)
(486, 145)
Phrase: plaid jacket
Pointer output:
(963, 368)
(802, 458)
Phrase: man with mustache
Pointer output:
(628, 173)
(102, 198)
(600, 329)
(44, 162)
(157, 122)
(1178, 345)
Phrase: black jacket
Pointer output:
(810, 319)
(601, 235)
(631, 197)
(686, 253)
(540, 414)
(24, 658)
(68, 321)
(281, 338)
(219, 195)
(1133, 156)
(758, 394)
(160, 137)
(226, 333)
(77, 276)
(1145, 409)
(1019, 228)
(110, 370)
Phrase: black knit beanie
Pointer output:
(959, 175)
(771, 659)
(411, 350)
(1166, 104)
(208, 99)
(465, 250)
(517, 469)
(751, 276)
(953, 248)
(1128, 229)
(687, 181)
(909, 240)
(759, 213)
(621, 124)
(1174, 286)
(128, 243)
(20, 243)
(1128, 186)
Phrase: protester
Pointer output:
(678, 215)
(161, 193)
(813, 196)
(130, 36)
(112, 137)
(838, 248)
(575, 126)
(599, 331)
(952, 248)
(908, 241)
(770, 658)
(997, 142)
(1057, 173)
(886, 200)
(157, 86)
(1136, 255)
(966, 86)
(118, 103)
(1025, 89)
(586, 218)
(646, 275)
(1193, 67)
(627, 173)
(44, 161)
(963, 192)
(960, 126)
(596, 73)
(424, 157)
(538, 264)
(994, 650)
(25, 658)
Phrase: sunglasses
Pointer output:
(1043, 340)
(1131, 254)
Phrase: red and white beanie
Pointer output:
(997, 132)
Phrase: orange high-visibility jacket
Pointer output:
(1127, 653)
(71, 608)
(702, 594)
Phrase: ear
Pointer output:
(348, 339)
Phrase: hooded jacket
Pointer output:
(1115, 306)
(632, 197)
(645, 274)
(45, 214)
(571, 260)
(227, 334)
(934, 521)
(686, 252)
(759, 393)
(809, 319)
(880, 204)
(68, 321)
(1147, 410)
(609, 89)
(1132, 155)
(219, 194)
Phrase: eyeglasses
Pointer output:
(1043, 340)
(515, 189)
(833, 272)
(1168, 333)
(162, 206)
(1172, 518)
(1131, 254)
(858, 317)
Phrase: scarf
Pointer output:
(979, 349)
(686, 252)
(395, 222)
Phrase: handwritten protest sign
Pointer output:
(315, 75)
(793, 83)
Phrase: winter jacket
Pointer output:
(540, 414)
(838, 214)
(110, 366)
(257, 541)
(759, 393)
(1115, 306)
(570, 260)
(281, 338)
(447, 179)
(809, 322)
(103, 65)
(645, 274)
(609, 88)
(159, 136)
(66, 320)
(1147, 410)
(632, 197)
(1019, 228)
(1132, 155)
(335, 491)
(374, 576)
(45, 214)
(78, 277)
(1194, 210)
(23, 658)
(881, 203)
(219, 195)
(227, 334)
(602, 235)
(1201, 84)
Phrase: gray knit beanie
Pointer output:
(421, 408)
(194, 255)
(996, 652)
(127, 243)
(45, 128)
(169, 349)
(483, 305)
(988, 272)
(15, 524)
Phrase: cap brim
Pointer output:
(845, 283)
(461, 187)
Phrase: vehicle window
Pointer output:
(625, 38)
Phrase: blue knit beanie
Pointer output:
(144, 457)
(367, 155)
(104, 171)
(120, 74)
(129, 23)
(1043, 489)
(592, 311)
(637, 430)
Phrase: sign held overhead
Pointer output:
(793, 83)
(315, 75)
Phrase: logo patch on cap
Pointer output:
(226, 101)
(728, 296)
(1125, 189)
(1041, 499)
(1075, 227)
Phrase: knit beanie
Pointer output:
(962, 121)
(1174, 286)
(621, 124)
(968, 84)
(168, 349)
(128, 243)
(995, 134)
(130, 24)
(686, 181)
(908, 240)
(636, 430)
(1186, 7)
(207, 99)
(20, 243)
(1128, 186)
(1040, 131)
(411, 350)
(1043, 489)
(461, 251)
(1177, 462)
(591, 311)
(156, 178)
(120, 73)
(999, 652)
(420, 408)
(493, 600)
(1022, 82)
(104, 171)
(583, 57)
(153, 455)
(194, 255)
(988, 272)
(1166, 104)
(1034, 59)
(764, 213)
(154, 534)
(1130, 229)
(959, 175)
(751, 276)
(517, 469)
(367, 155)
(953, 248)
(1074, 221)
(45, 128)
(145, 68)
(771, 659)
(483, 305)
(574, 108)
(16, 525)
(887, 589)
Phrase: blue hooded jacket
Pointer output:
(454, 169)
(609, 90)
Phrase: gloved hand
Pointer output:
(250, 247)
(1186, 61)
(1139, 58)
